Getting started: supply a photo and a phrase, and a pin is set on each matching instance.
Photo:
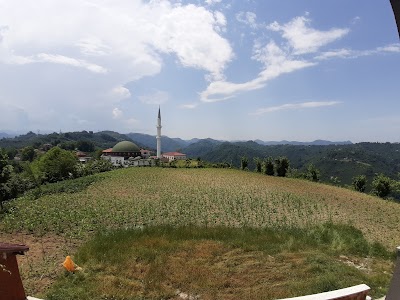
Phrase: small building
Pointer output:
(174, 156)
(82, 157)
(145, 153)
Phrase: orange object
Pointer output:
(69, 264)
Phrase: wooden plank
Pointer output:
(357, 292)
(394, 288)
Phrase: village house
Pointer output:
(174, 156)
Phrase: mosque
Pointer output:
(127, 153)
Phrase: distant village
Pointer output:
(128, 154)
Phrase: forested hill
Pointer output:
(67, 140)
(337, 163)
(341, 161)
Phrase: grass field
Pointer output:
(143, 197)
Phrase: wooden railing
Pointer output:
(394, 288)
(357, 292)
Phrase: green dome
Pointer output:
(125, 146)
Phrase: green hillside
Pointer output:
(102, 139)
(341, 161)
(221, 199)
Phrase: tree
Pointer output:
(312, 173)
(258, 163)
(57, 164)
(360, 183)
(11, 152)
(244, 162)
(85, 146)
(269, 166)
(282, 165)
(381, 185)
(28, 153)
(5, 175)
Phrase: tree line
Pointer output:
(35, 169)
(382, 186)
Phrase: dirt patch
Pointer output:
(40, 265)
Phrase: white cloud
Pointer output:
(117, 113)
(211, 2)
(339, 53)
(276, 62)
(294, 106)
(64, 60)
(304, 39)
(157, 97)
(189, 105)
(355, 20)
(72, 53)
(390, 48)
(131, 121)
(248, 18)
(120, 92)
(349, 53)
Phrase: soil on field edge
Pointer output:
(40, 265)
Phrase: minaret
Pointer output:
(159, 134)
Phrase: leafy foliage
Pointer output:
(68, 141)
(28, 153)
(381, 185)
(258, 163)
(269, 166)
(57, 164)
(360, 183)
(5, 175)
(244, 162)
(282, 166)
(312, 173)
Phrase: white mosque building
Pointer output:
(127, 153)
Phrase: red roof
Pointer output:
(107, 150)
(174, 154)
(81, 154)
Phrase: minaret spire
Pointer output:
(159, 133)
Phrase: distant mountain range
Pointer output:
(6, 135)
(174, 144)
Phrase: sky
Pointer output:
(224, 69)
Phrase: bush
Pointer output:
(258, 163)
(95, 166)
(269, 166)
(282, 165)
(381, 186)
(244, 162)
(312, 173)
(359, 183)
(57, 164)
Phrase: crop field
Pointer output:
(57, 224)
(137, 197)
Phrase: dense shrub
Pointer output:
(282, 166)
(57, 164)
(381, 185)
(312, 173)
(360, 183)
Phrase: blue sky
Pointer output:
(225, 69)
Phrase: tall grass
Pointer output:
(219, 263)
